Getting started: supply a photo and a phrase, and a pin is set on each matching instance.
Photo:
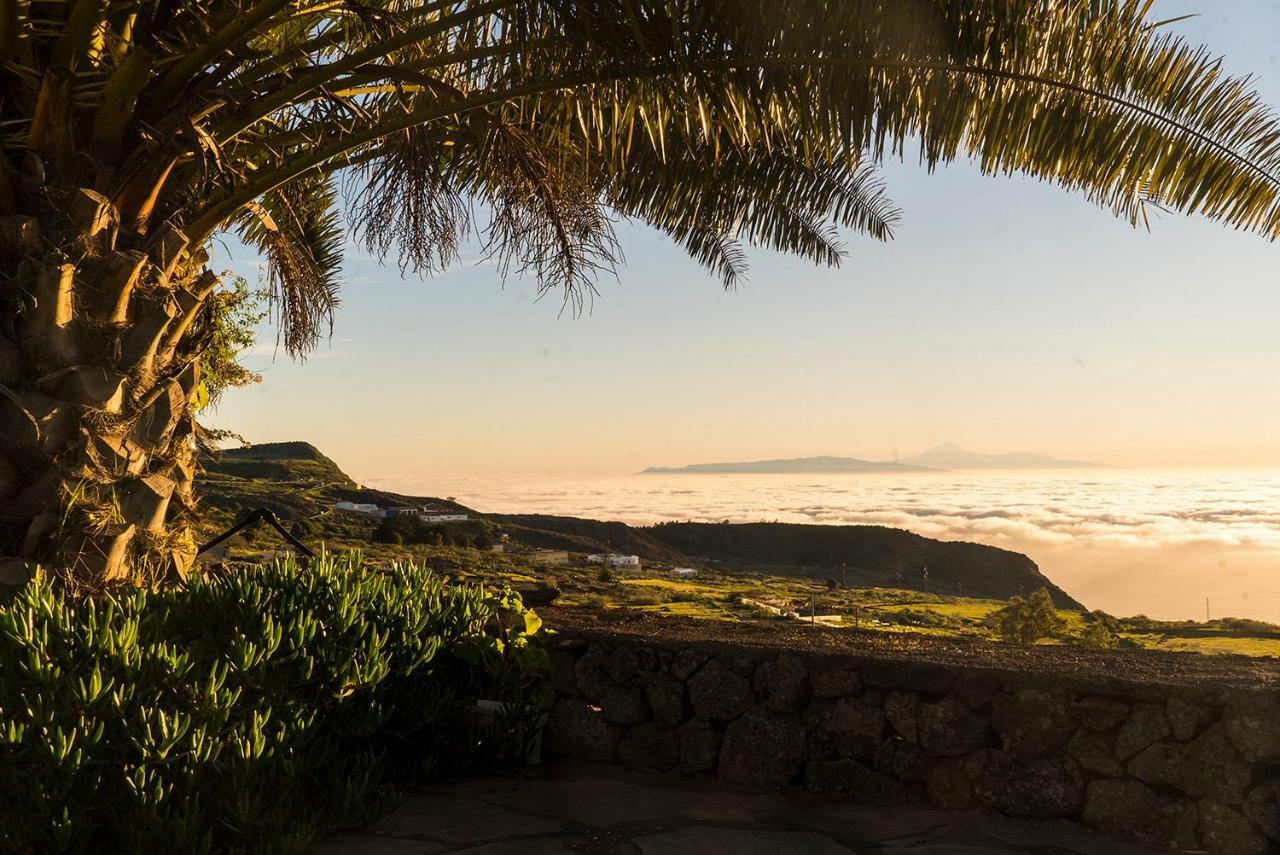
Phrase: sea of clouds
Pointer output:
(1152, 542)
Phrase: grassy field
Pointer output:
(744, 596)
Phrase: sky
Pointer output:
(1006, 315)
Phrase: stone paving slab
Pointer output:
(610, 811)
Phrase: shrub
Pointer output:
(413, 529)
(1101, 631)
(1027, 620)
(248, 711)
(605, 575)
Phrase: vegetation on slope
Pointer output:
(248, 712)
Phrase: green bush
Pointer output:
(409, 528)
(250, 711)
(1028, 620)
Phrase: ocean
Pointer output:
(1176, 544)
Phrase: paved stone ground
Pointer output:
(603, 811)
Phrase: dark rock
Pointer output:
(1146, 724)
(1263, 807)
(948, 785)
(976, 691)
(882, 760)
(1210, 767)
(686, 662)
(665, 695)
(910, 763)
(650, 746)
(1224, 831)
(845, 727)
(648, 659)
(623, 664)
(828, 682)
(718, 694)
(577, 730)
(910, 676)
(1099, 713)
(1044, 789)
(849, 777)
(762, 750)
(699, 747)
(783, 683)
(1092, 749)
(1031, 723)
(1186, 718)
(592, 680)
(563, 677)
(625, 705)
(901, 709)
(950, 729)
(1134, 809)
(742, 663)
(1253, 724)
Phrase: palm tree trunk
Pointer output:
(100, 350)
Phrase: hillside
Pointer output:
(874, 555)
(299, 484)
(799, 465)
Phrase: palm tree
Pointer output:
(135, 130)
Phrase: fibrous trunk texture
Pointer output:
(99, 366)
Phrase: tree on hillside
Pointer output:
(1027, 620)
(133, 131)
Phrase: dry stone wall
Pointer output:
(1172, 767)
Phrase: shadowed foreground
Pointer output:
(595, 810)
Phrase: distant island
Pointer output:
(795, 465)
(944, 457)
(951, 456)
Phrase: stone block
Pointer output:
(650, 746)
(625, 705)
(947, 785)
(849, 777)
(717, 693)
(831, 682)
(1146, 724)
(783, 683)
(1208, 767)
(902, 710)
(699, 747)
(1253, 725)
(1263, 807)
(948, 728)
(578, 730)
(1099, 713)
(1134, 809)
(1044, 789)
(1186, 718)
(1224, 831)
(1031, 723)
(762, 750)
(665, 695)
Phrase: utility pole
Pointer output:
(926, 579)
(844, 573)
(1206, 609)
(813, 608)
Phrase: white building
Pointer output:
(685, 572)
(626, 562)
(355, 506)
(441, 514)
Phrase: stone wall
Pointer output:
(1186, 768)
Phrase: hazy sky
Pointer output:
(1007, 315)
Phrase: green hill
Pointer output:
(872, 556)
(299, 484)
